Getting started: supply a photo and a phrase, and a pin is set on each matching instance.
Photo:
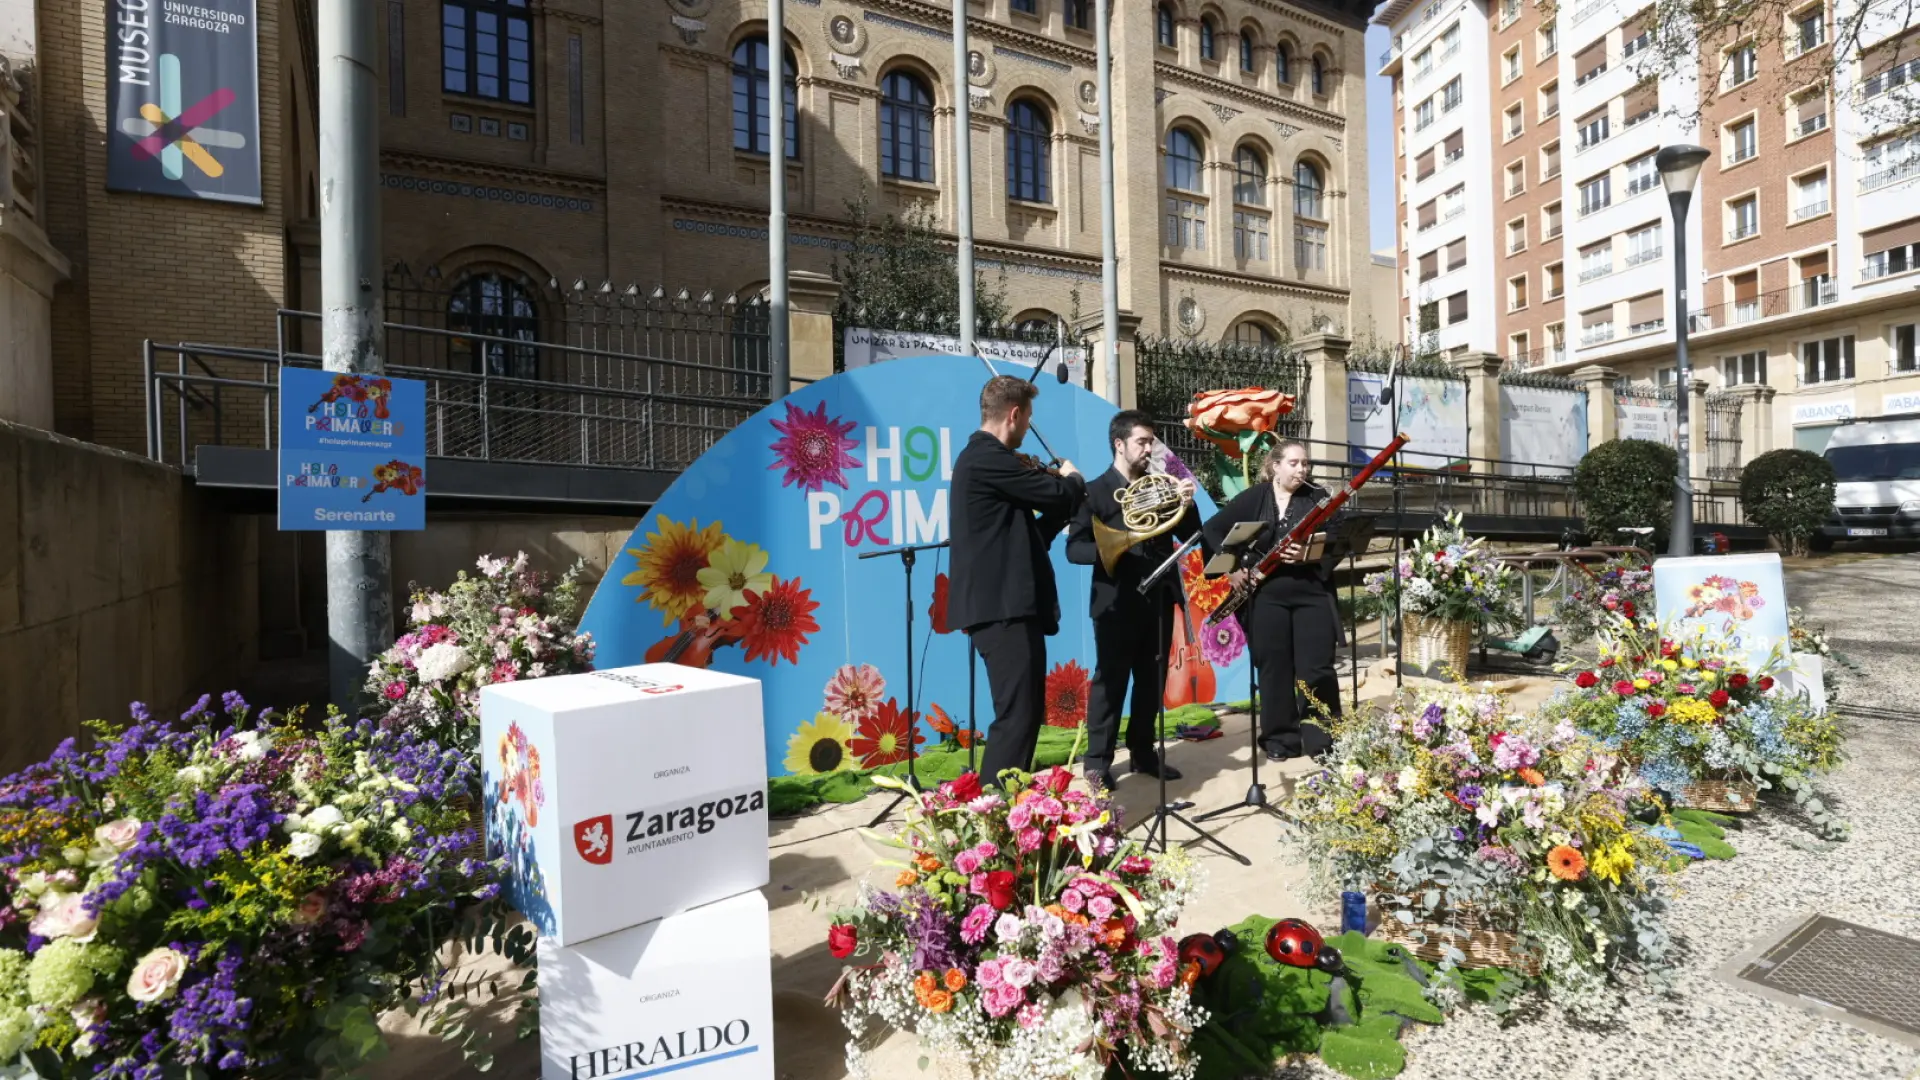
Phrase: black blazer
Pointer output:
(1259, 503)
(1118, 594)
(1000, 565)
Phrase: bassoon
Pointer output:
(1315, 518)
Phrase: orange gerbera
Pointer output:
(1113, 933)
(1533, 777)
(927, 863)
(1566, 863)
(956, 980)
(907, 879)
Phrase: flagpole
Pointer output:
(779, 372)
(963, 167)
(1109, 239)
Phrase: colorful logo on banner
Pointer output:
(185, 99)
(750, 564)
(1739, 598)
(353, 451)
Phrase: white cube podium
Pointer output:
(623, 796)
(690, 994)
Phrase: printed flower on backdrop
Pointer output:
(1203, 593)
(1223, 642)
(812, 448)
(820, 747)
(941, 723)
(881, 738)
(937, 611)
(775, 623)
(855, 691)
(670, 565)
(1068, 685)
(731, 570)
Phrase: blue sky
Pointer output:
(1379, 143)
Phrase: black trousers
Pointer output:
(1015, 653)
(1292, 632)
(1130, 647)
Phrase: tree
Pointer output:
(1789, 493)
(1626, 483)
(903, 272)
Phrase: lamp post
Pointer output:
(1679, 168)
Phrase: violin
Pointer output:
(1034, 463)
(700, 635)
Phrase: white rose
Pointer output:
(63, 915)
(303, 845)
(324, 819)
(120, 834)
(192, 776)
(156, 976)
(442, 662)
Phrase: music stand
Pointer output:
(1349, 542)
(1256, 797)
(1169, 810)
(907, 553)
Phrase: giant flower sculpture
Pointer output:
(1237, 423)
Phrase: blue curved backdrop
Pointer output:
(755, 551)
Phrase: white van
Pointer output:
(1876, 469)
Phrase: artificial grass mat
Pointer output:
(790, 795)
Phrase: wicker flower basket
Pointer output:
(1726, 796)
(956, 1067)
(1485, 942)
(1433, 641)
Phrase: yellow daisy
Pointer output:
(670, 565)
(820, 747)
(732, 569)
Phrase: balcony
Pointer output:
(1812, 124)
(1453, 157)
(1891, 175)
(1742, 231)
(1596, 335)
(1453, 213)
(1591, 75)
(1645, 256)
(1392, 52)
(1743, 153)
(1589, 209)
(1641, 183)
(1595, 273)
(1641, 117)
(1648, 327)
(1812, 210)
(1588, 142)
(1818, 292)
(1553, 231)
(1587, 11)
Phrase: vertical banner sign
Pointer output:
(1543, 431)
(353, 452)
(1433, 413)
(183, 97)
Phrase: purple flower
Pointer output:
(1223, 642)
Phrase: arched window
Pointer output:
(1246, 52)
(1249, 176)
(750, 97)
(1283, 64)
(488, 305)
(906, 128)
(1163, 25)
(1183, 160)
(1307, 188)
(1254, 335)
(1319, 77)
(1029, 152)
(1207, 34)
(1079, 14)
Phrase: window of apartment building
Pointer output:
(1425, 165)
(1746, 296)
(1516, 178)
(1249, 176)
(1641, 103)
(1509, 11)
(1892, 250)
(1556, 342)
(1817, 288)
(1246, 52)
(1510, 65)
(1453, 148)
(1550, 100)
(1596, 194)
(1596, 325)
(1428, 215)
(1516, 120)
(1430, 265)
(1456, 308)
(1517, 346)
(1550, 223)
(1423, 115)
(1743, 63)
(1186, 210)
(486, 49)
(1550, 160)
(1594, 128)
(1209, 34)
(1743, 217)
(1423, 63)
(1596, 260)
(1546, 42)
(1636, 35)
(1457, 254)
(1890, 161)
(1664, 377)
(1517, 293)
(1809, 30)
(1827, 360)
(1807, 112)
(1556, 280)
(1746, 369)
(1309, 247)
(1590, 63)
(1449, 41)
(1641, 175)
(1810, 196)
(1250, 235)
(750, 98)
(1450, 95)
(1163, 26)
(1453, 203)
(1643, 244)
(1905, 348)
(1516, 235)
(1895, 75)
(1029, 150)
(1429, 316)
(1307, 189)
(1643, 314)
(906, 127)
(1742, 140)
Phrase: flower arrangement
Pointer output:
(157, 889)
(1621, 587)
(508, 623)
(1448, 577)
(1023, 935)
(1687, 709)
(1806, 636)
(1444, 801)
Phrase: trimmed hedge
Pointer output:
(1789, 493)
(1626, 483)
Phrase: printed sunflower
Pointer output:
(731, 570)
(882, 736)
(1223, 642)
(820, 747)
(812, 448)
(1068, 685)
(855, 691)
(775, 623)
(670, 565)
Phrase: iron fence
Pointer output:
(1167, 374)
(1723, 436)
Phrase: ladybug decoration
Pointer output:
(1202, 954)
(1297, 944)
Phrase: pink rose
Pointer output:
(156, 976)
(119, 835)
(311, 910)
(1028, 840)
(1003, 999)
(988, 974)
(1017, 973)
(967, 862)
(1074, 900)
(64, 915)
(1100, 907)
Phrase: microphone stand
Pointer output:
(907, 553)
(1170, 810)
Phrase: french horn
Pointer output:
(1149, 507)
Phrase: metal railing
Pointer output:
(1893, 174)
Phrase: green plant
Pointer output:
(1789, 493)
(901, 268)
(1626, 483)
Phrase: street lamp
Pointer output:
(1679, 168)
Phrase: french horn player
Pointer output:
(1128, 526)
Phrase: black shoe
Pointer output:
(1278, 754)
(1100, 779)
(1155, 768)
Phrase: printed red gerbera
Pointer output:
(1068, 685)
(881, 738)
(775, 623)
(937, 611)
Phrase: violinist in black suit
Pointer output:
(1130, 631)
(1292, 624)
(1005, 510)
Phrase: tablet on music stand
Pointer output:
(1227, 559)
